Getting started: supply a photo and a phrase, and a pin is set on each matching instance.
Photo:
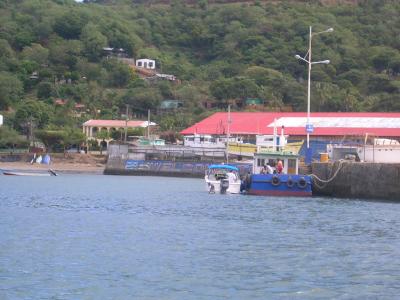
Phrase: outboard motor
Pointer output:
(224, 185)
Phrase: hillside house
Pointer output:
(146, 63)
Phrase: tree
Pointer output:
(9, 138)
(65, 53)
(6, 52)
(44, 90)
(70, 24)
(94, 42)
(234, 88)
(120, 74)
(142, 99)
(11, 89)
(50, 138)
(36, 53)
(72, 136)
(32, 111)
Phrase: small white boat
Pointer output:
(15, 173)
(223, 179)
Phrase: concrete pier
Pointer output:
(121, 166)
(357, 180)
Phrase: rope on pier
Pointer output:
(324, 182)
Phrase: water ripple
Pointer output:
(110, 237)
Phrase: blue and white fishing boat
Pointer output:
(273, 183)
(223, 179)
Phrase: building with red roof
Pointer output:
(327, 125)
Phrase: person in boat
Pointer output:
(264, 170)
(279, 167)
(231, 176)
(267, 169)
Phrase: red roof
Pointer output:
(325, 124)
(115, 123)
(60, 101)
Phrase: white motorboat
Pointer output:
(223, 179)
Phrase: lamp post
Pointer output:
(309, 127)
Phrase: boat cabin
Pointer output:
(218, 172)
(290, 161)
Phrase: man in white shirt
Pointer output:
(231, 176)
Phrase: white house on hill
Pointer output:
(146, 63)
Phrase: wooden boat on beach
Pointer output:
(17, 173)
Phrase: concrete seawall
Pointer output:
(358, 180)
(119, 166)
(351, 179)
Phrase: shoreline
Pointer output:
(58, 167)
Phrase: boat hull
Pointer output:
(279, 185)
(214, 186)
(12, 173)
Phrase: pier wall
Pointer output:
(358, 180)
(119, 166)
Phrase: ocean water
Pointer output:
(116, 237)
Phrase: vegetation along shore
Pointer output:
(65, 62)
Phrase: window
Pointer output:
(150, 64)
(291, 163)
(139, 63)
(271, 162)
(260, 162)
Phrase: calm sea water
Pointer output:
(110, 237)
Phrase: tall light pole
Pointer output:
(309, 126)
(228, 134)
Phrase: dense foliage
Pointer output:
(221, 53)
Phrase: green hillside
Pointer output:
(220, 54)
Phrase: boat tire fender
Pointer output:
(302, 183)
(290, 182)
(275, 180)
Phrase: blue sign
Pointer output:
(309, 128)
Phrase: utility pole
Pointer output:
(126, 122)
(148, 124)
(228, 133)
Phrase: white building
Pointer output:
(92, 127)
(146, 63)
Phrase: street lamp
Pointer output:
(309, 127)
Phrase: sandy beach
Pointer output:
(79, 163)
